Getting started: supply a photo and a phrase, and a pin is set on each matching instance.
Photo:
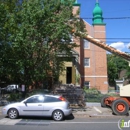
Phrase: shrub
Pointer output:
(92, 95)
(14, 97)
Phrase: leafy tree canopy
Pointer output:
(32, 33)
(115, 65)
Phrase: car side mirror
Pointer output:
(25, 103)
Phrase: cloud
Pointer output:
(128, 45)
(119, 45)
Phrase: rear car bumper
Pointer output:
(67, 112)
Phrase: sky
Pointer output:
(116, 14)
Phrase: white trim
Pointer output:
(87, 66)
(99, 31)
(103, 76)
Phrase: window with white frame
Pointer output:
(86, 62)
(86, 44)
(87, 84)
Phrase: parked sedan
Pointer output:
(54, 106)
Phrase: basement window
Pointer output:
(87, 84)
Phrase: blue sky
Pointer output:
(118, 24)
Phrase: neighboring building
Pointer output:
(88, 66)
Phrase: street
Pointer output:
(95, 117)
(89, 123)
(70, 123)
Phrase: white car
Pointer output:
(54, 106)
(11, 88)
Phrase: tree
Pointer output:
(115, 66)
(121, 64)
(111, 70)
(128, 73)
(34, 33)
(6, 8)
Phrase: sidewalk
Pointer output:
(94, 110)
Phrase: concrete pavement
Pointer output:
(95, 110)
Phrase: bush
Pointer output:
(93, 95)
(14, 97)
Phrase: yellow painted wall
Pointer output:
(62, 77)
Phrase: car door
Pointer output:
(33, 106)
(49, 104)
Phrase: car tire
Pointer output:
(103, 101)
(58, 115)
(120, 107)
(13, 113)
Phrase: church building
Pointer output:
(88, 67)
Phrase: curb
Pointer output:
(92, 104)
(113, 116)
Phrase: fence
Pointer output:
(75, 95)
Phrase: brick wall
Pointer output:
(96, 73)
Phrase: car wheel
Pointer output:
(13, 113)
(58, 115)
(120, 107)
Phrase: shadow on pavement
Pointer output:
(70, 117)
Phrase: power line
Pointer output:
(110, 18)
(114, 38)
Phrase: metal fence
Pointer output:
(75, 95)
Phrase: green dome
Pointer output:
(97, 15)
(75, 2)
(97, 10)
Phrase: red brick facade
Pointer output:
(95, 74)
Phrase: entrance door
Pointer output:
(69, 75)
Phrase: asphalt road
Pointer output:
(94, 118)
(89, 123)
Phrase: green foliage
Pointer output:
(92, 91)
(115, 66)
(14, 97)
(92, 95)
(32, 34)
(77, 78)
(128, 72)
